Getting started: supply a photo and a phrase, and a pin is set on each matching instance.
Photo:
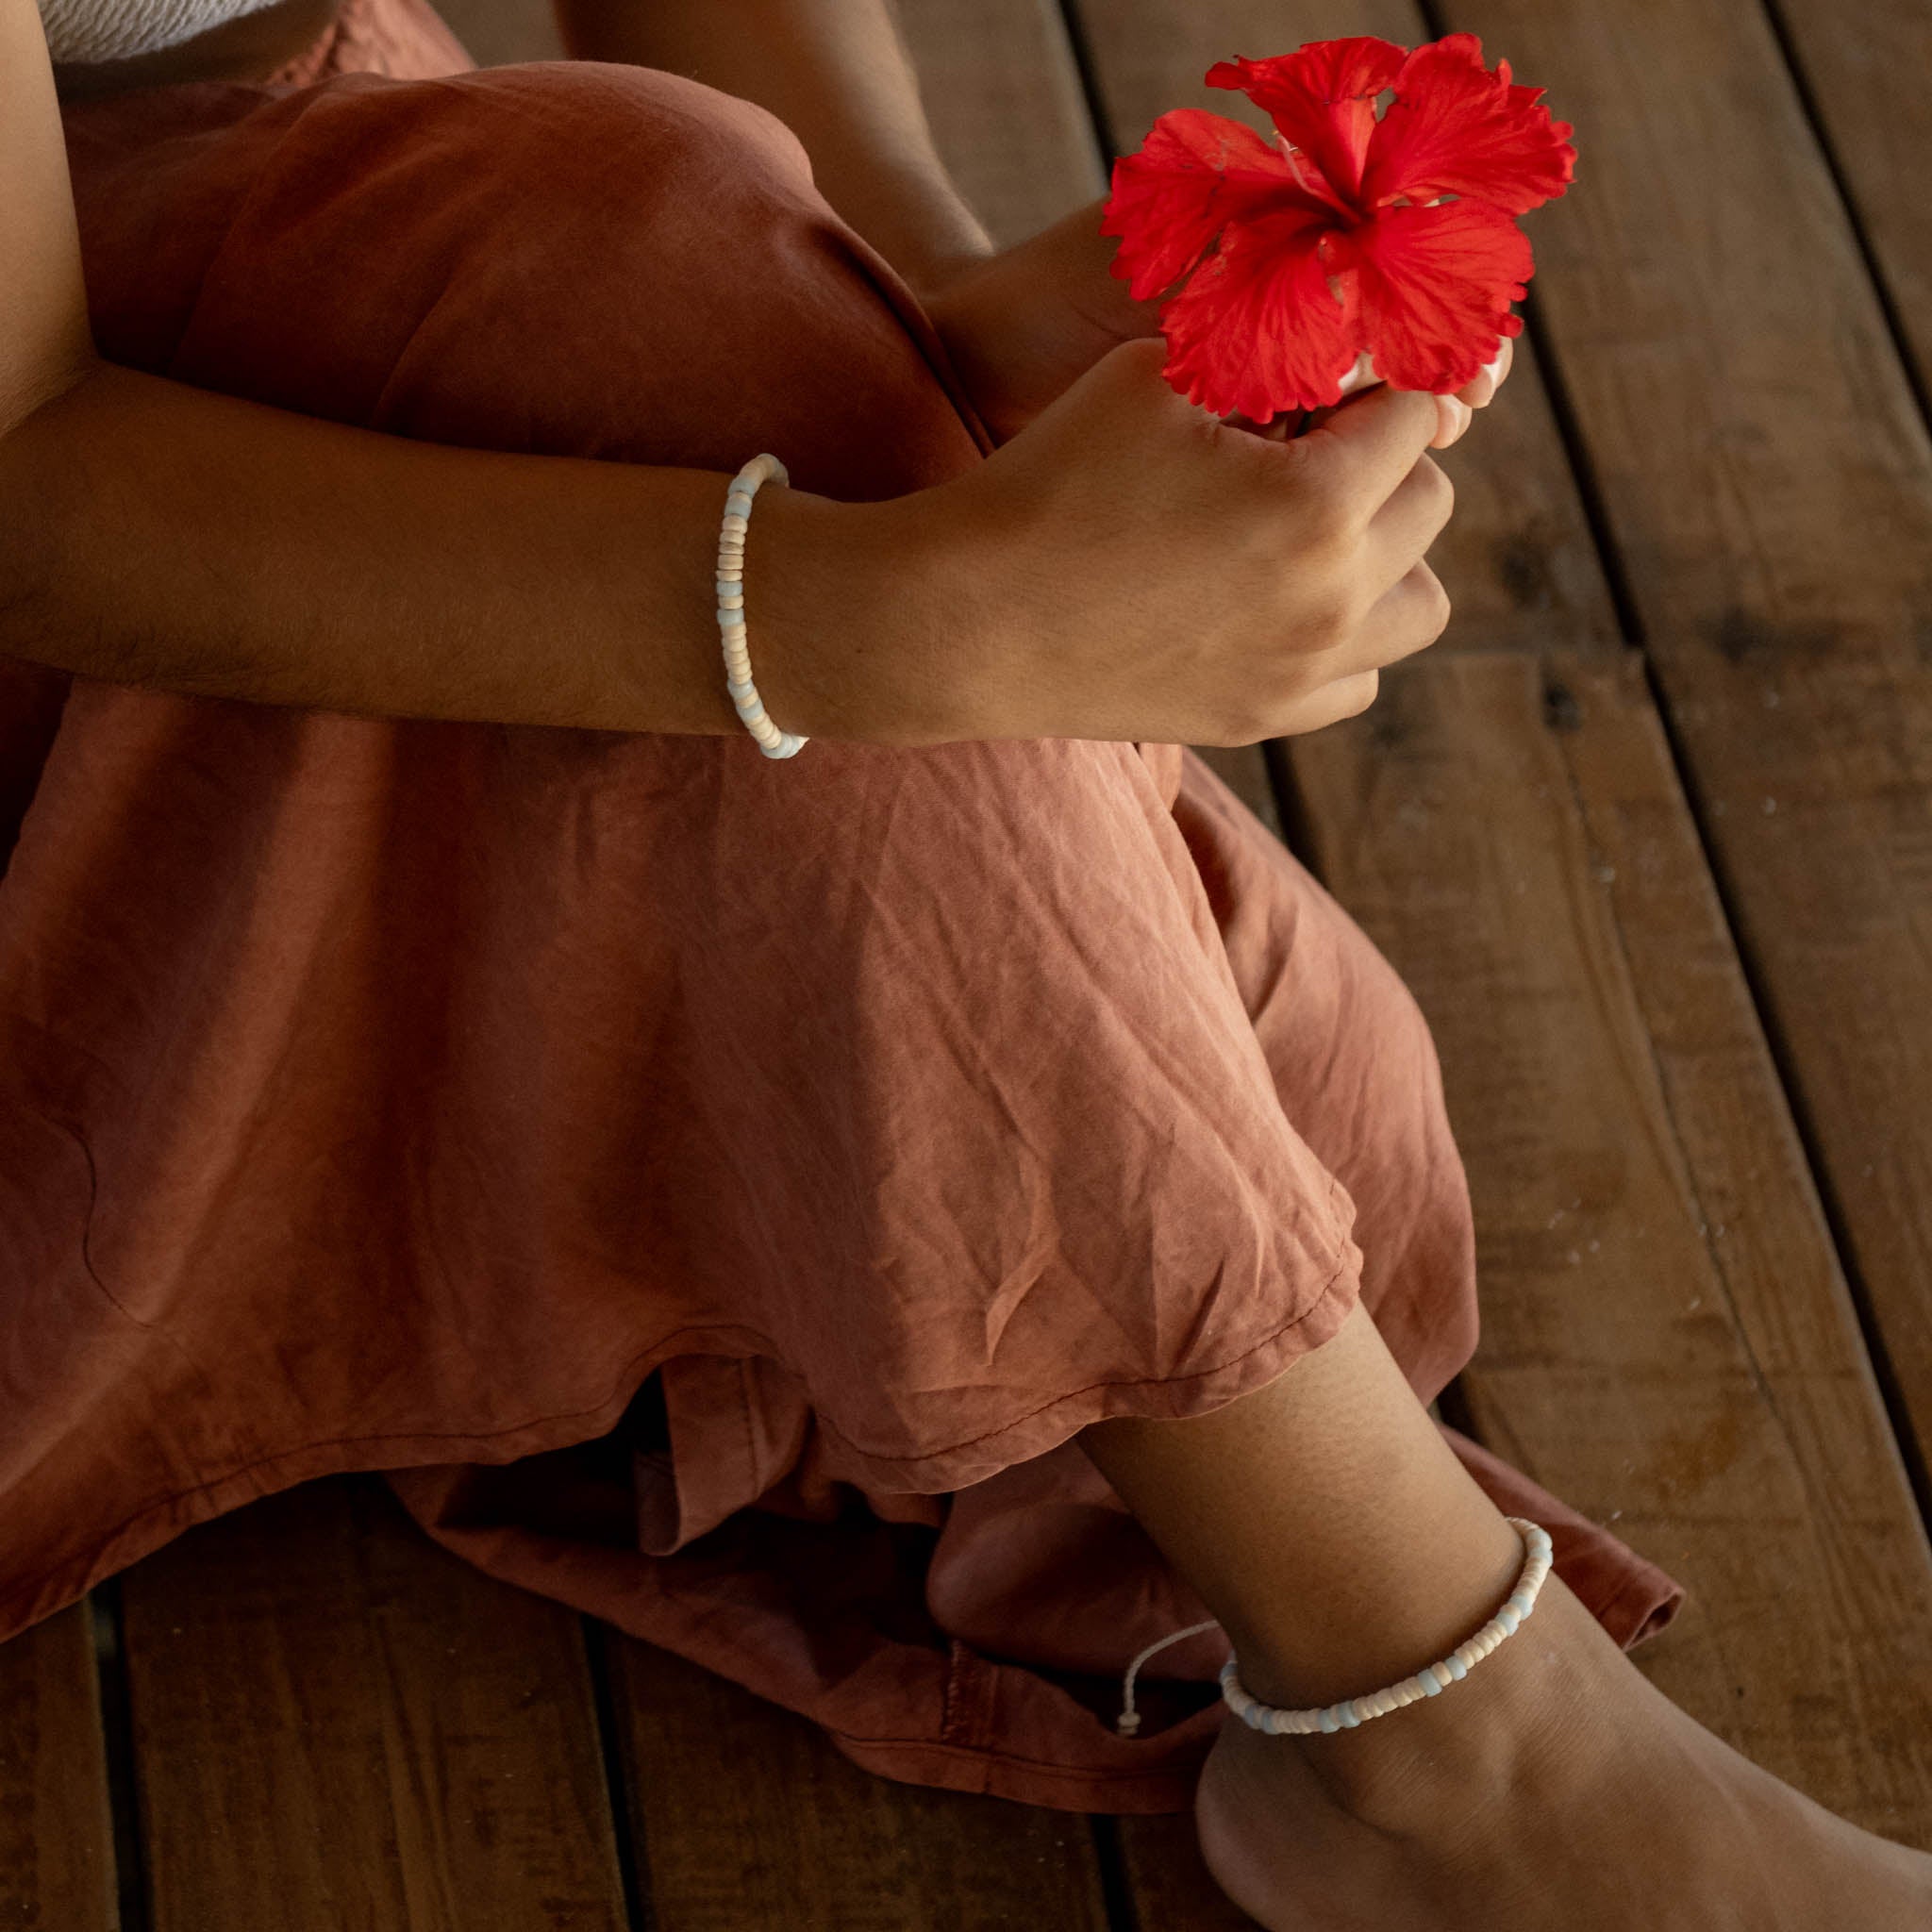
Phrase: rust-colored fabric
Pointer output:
(716, 1191)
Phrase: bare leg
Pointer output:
(1341, 1546)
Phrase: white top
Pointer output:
(83, 30)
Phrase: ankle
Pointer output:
(1537, 1719)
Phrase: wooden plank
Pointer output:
(57, 1847)
(1002, 94)
(756, 1823)
(500, 32)
(1769, 483)
(1866, 63)
(340, 1728)
(1517, 560)
(1667, 1342)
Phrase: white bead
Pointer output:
(1430, 1681)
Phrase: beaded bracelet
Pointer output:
(1431, 1681)
(745, 695)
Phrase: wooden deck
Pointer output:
(1651, 836)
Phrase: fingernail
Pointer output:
(1362, 377)
(1456, 417)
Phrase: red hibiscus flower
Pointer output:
(1395, 235)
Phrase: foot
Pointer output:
(1554, 1790)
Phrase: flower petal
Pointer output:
(1194, 173)
(1322, 98)
(1258, 327)
(1457, 128)
(1435, 288)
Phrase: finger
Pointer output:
(1349, 696)
(1371, 443)
(1481, 391)
(1453, 416)
(1362, 377)
(1408, 618)
(1407, 524)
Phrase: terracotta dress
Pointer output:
(715, 1192)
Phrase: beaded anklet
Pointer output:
(1431, 1681)
(745, 695)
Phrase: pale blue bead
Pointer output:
(1509, 1619)
(1455, 1667)
(1328, 1721)
(738, 503)
(1345, 1717)
(1522, 1604)
(1430, 1688)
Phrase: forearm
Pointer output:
(835, 72)
(156, 534)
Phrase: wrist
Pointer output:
(860, 617)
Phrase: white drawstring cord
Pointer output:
(1129, 1719)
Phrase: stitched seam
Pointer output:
(1301, 1315)
(625, 1381)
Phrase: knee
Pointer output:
(573, 258)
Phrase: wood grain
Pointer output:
(1667, 1342)
(340, 1727)
(498, 33)
(755, 1822)
(56, 1849)
(1002, 93)
(1768, 485)
(1865, 64)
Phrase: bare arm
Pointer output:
(835, 72)
(154, 533)
(45, 342)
